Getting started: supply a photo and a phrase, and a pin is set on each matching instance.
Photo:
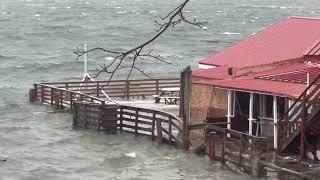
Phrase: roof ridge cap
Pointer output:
(304, 17)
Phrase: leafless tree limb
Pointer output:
(140, 52)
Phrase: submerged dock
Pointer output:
(134, 110)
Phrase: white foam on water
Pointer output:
(131, 154)
(122, 12)
(109, 58)
(229, 33)
(39, 113)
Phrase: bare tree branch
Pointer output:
(172, 19)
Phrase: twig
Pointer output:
(172, 19)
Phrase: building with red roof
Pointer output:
(253, 83)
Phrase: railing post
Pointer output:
(241, 149)
(61, 99)
(121, 117)
(98, 90)
(71, 100)
(52, 96)
(153, 125)
(212, 146)
(42, 94)
(36, 91)
(55, 97)
(75, 114)
(303, 118)
(157, 87)
(128, 89)
(159, 130)
(67, 86)
(223, 147)
(170, 130)
(286, 119)
(136, 122)
(86, 116)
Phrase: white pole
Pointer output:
(85, 60)
(250, 113)
(229, 109)
(275, 123)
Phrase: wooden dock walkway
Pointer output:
(92, 110)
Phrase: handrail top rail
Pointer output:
(66, 90)
(105, 81)
(162, 112)
(225, 130)
(301, 95)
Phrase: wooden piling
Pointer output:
(32, 95)
(212, 146)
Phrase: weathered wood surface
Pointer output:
(119, 88)
(296, 118)
(157, 124)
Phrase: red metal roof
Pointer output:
(288, 39)
(314, 50)
(291, 90)
(287, 81)
(298, 76)
(212, 73)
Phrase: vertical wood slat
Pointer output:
(136, 122)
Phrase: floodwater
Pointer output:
(37, 38)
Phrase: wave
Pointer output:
(270, 7)
(230, 33)
(7, 57)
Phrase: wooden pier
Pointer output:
(91, 110)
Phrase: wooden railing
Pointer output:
(119, 88)
(240, 148)
(151, 122)
(297, 115)
(157, 124)
(59, 97)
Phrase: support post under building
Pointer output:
(275, 123)
(229, 115)
(250, 113)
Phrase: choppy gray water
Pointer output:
(37, 38)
